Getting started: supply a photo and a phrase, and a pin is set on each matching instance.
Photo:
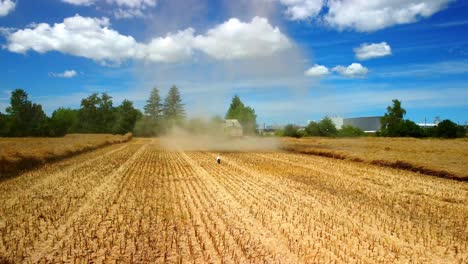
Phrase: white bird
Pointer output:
(218, 159)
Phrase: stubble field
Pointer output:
(140, 202)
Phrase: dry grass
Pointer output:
(437, 157)
(142, 203)
(17, 154)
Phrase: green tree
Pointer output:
(449, 129)
(63, 121)
(291, 130)
(173, 109)
(327, 128)
(96, 114)
(391, 121)
(25, 117)
(393, 124)
(126, 117)
(324, 128)
(3, 125)
(244, 114)
(313, 129)
(350, 131)
(153, 107)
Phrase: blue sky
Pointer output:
(292, 61)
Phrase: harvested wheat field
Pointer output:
(140, 202)
(438, 157)
(17, 154)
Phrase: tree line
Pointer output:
(323, 128)
(393, 124)
(96, 114)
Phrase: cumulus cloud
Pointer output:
(354, 70)
(362, 15)
(93, 38)
(235, 39)
(6, 7)
(317, 71)
(79, 36)
(374, 50)
(302, 9)
(66, 74)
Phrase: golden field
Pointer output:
(140, 202)
(23, 153)
(439, 157)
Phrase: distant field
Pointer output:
(438, 157)
(22, 153)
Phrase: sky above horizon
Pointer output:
(291, 60)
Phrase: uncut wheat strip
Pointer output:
(98, 193)
(211, 218)
(55, 210)
(259, 198)
(270, 241)
(250, 159)
(445, 210)
(334, 211)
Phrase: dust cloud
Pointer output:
(182, 140)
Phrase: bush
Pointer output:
(291, 131)
(324, 128)
(350, 131)
(448, 129)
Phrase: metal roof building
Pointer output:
(367, 124)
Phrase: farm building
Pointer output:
(367, 124)
(233, 128)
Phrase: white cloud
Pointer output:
(354, 70)
(79, 2)
(235, 39)
(317, 71)
(302, 9)
(125, 8)
(79, 36)
(364, 15)
(172, 48)
(65, 74)
(133, 3)
(128, 13)
(374, 50)
(94, 39)
(6, 7)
